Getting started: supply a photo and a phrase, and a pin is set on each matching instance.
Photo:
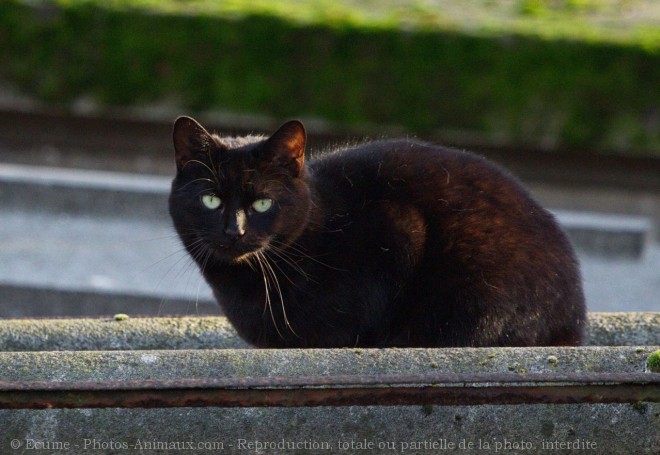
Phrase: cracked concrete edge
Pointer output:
(604, 329)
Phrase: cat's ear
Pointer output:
(287, 145)
(191, 141)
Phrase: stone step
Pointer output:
(83, 192)
(607, 235)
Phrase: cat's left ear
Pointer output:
(287, 145)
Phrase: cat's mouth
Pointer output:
(238, 252)
(247, 257)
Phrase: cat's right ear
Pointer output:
(287, 145)
(191, 141)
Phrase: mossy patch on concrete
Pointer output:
(653, 362)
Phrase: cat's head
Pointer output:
(234, 196)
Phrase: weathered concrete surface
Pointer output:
(605, 329)
(608, 429)
(214, 363)
(623, 329)
(110, 334)
(594, 429)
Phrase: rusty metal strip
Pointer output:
(379, 390)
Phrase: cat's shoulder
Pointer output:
(409, 156)
(397, 150)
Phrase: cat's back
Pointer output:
(457, 193)
(406, 167)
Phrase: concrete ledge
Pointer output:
(272, 363)
(623, 329)
(597, 428)
(607, 235)
(605, 329)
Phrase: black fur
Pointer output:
(389, 243)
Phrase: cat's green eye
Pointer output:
(211, 201)
(262, 205)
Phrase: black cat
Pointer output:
(389, 243)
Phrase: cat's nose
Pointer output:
(234, 232)
(235, 226)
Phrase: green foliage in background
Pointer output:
(544, 73)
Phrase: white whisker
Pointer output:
(279, 291)
(267, 289)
